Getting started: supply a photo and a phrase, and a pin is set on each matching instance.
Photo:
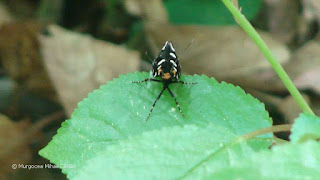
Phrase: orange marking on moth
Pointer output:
(174, 73)
(166, 76)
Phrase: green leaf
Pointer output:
(290, 161)
(50, 11)
(208, 12)
(118, 110)
(306, 127)
(170, 153)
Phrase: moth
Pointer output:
(166, 66)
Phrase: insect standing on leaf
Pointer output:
(166, 66)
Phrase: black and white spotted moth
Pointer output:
(166, 66)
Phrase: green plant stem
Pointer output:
(247, 27)
(245, 137)
(273, 129)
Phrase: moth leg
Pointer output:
(175, 99)
(145, 80)
(154, 104)
(183, 82)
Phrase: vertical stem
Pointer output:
(247, 27)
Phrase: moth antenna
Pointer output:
(192, 40)
(148, 56)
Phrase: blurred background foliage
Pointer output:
(54, 52)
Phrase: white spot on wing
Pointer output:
(173, 55)
(159, 67)
(174, 69)
(160, 62)
(173, 63)
(172, 47)
(165, 45)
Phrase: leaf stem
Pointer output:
(277, 128)
(273, 129)
(248, 28)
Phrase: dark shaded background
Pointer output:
(54, 52)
